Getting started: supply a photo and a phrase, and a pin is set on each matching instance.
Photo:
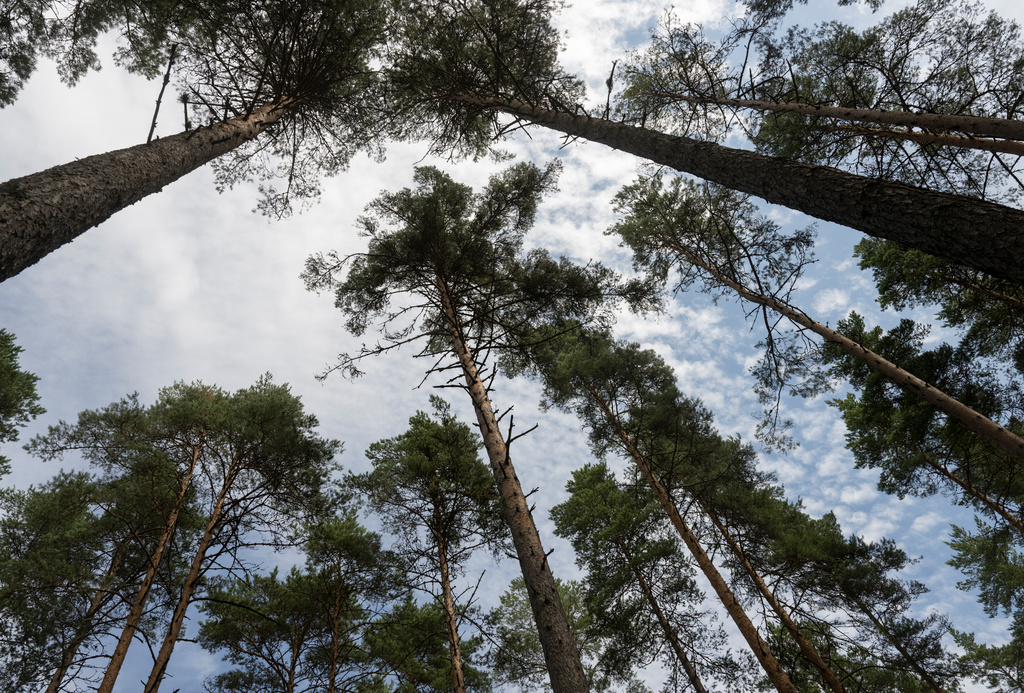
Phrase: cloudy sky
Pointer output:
(190, 285)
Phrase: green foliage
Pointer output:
(517, 658)
(51, 556)
(999, 667)
(442, 258)
(988, 312)
(411, 644)
(635, 570)
(934, 56)
(19, 402)
(715, 240)
(450, 53)
(432, 491)
(302, 631)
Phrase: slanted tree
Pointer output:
(464, 66)
(639, 586)
(19, 401)
(445, 266)
(434, 494)
(715, 237)
(299, 69)
(628, 400)
(264, 473)
(59, 581)
(882, 102)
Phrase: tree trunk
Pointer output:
(1006, 146)
(561, 654)
(982, 426)
(806, 648)
(450, 619)
(43, 211)
(135, 614)
(983, 235)
(895, 642)
(86, 626)
(156, 675)
(757, 645)
(999, 128)
(666, 627)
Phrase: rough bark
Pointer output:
(965, 230)
(43, 211)
(757, 645)
(561, 655)
(1000, 128)
(982, 426)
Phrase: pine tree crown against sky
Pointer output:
(189, 285)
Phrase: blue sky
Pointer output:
(191, 285)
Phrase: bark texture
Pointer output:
(561, 654)
(43, 211)
(983, 235)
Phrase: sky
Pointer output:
(190, 284)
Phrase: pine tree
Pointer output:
(445, 266)
(462, 70)
(432, 492)
(300, 70)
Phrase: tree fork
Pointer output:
(43, 211)
(983, 235)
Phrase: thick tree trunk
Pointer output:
(999, 128)
(138, 605)
(666, 627)
(965, 230)
(156, 675)
(41, 212)
(757, 645)
(982, 426)
(561, 654)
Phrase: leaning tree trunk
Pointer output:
(982, 426)
(983, 235)
(757, 645)
(42, 211)
(999, 128)
(806, 648)
(139, 603)
(156, 674)
(561, 654)
(666, 626)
